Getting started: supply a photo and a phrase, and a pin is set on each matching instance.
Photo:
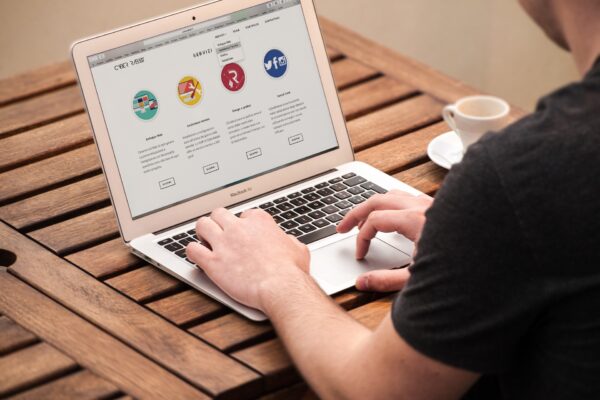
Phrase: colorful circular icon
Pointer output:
(145, 105)
(233, 77)
(189, 91)
(275, 63)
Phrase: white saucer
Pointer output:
(446, 150)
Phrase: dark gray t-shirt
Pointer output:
(507, 278)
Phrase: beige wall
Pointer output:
(489, 44)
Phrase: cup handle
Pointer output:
(448, 114)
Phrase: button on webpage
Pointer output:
(295, 139)
(254, 153)
(166, 183)
(210, 168)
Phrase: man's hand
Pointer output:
(247, 254)
(395, 211)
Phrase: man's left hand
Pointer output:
(247, 254)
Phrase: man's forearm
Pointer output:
(320, 337)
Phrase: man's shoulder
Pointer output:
(548, 167)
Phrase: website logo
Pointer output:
(233, 77)
(145, 105)
(275, 63)
(189, 91)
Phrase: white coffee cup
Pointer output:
(472, 116)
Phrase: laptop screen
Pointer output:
(193, 111)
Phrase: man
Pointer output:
(504, 293)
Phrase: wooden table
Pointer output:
(82, 317)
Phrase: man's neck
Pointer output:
(582, 32)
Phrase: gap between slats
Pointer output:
(33, 366)
(36, 82)
(13, 337)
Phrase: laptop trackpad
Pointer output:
(336, 268)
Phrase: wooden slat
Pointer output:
(408, 149)
(426, 177)
(80, 385)
(80, 231)
(40, 109)
(232, 330)
(88, 345)
(364, 98)
(144, 283)
(36, 81)
(348, 72)
(133, 324)
(394, 120)
(13, 336)
(271, 359)
(105, 259)
(55, 203)
(50, 171)
(32, 365)
(185, 307)
(44, 141)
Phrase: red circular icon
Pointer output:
(233, 77)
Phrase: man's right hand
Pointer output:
(395, 211)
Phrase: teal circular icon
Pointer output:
(145, 105)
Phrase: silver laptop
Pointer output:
(229, 104)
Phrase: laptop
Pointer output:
(229, 104)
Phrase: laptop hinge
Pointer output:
(249, 200)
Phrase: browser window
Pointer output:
(196, 110)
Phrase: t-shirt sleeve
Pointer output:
(470, 297)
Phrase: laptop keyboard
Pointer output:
(310, 214)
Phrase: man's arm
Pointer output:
(342, 359)
(339, 357)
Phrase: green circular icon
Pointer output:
(145, 105)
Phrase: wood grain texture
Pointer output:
(232, 331)
(80, 231)
(392, 121)
(44, 141)
(105, 259)
(408, 149)
(13, 336)
(271, 359)
(88, 345)
(148, 333)
(185, 307)
(347, 72)
(79, 385)
(366, 97)
(426, 177)
(144, 283)
(48, 172)
(40, 109)
(31, 365)
(36, 81)
(55, 203)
